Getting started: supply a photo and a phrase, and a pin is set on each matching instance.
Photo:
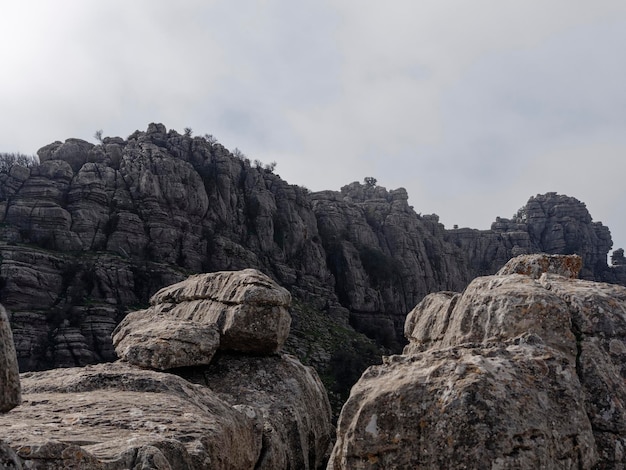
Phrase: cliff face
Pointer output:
(94, 230)
(548, 223)
(384, 256)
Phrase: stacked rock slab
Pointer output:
(524, 369)
(188, 322)
(232, 401)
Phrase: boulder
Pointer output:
(498, 407)
(116, 416)
(10, 391)
(73, 151)
(518, 371)
(286, 396)
(10, 388)
(240, 412)
(242, 311)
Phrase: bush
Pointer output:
(370, 181)
(8, 160)
(210, 138)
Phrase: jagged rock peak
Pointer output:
(188, 322)
(515, 372)
(548, 223)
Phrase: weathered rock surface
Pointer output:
(243, 413)
(113, 416)
(10, 390)
(518, 371)
(188, 322)
(231, 411)
(286, 396)
(537, 264)
(8, 458)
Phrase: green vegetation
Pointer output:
(381, 268)
(337, 352)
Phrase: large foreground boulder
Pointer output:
(10, 388)
(115, 416)
(10, 394)
(519, 371)
(287, 397)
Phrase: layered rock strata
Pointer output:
(518, 371)
(548, 223)
(255, 408)
(10, 387)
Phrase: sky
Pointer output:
(473, 107)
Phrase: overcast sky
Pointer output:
(472, 106)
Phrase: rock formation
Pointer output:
(93, 231)
(10, 388)
(243, 311)
(10, 391)
(384, 256)
(257, 409)
(519, 371)
(548, 223)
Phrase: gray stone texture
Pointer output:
(188, 322)
(518, 371)
(10, 390)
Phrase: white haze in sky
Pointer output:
(473, 107)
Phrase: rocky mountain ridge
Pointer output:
(93, 231)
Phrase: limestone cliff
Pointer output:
(94, 230)
(548, 223)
